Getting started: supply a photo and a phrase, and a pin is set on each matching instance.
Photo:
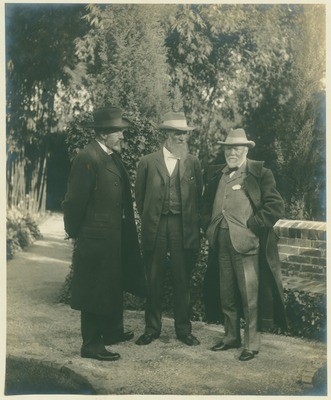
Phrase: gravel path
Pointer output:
(40, 328)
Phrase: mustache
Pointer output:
(180, 150)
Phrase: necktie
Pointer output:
(233, 169)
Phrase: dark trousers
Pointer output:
(169, 238)
(239, 283)
(98, 329)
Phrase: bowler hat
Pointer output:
(237, 137)
(175, 121)
(108, 117)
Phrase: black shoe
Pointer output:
(124, 337)
(221, 346)
(147, 338)
(189, 339)
(247, 355)
(101, 356)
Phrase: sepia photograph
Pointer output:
(165, 195)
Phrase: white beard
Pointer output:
(178, 150)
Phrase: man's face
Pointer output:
(177, 137)
(235, 155)
(113, 140)
(176, 143)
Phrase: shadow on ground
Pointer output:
(43, 345)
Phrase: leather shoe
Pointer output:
(247, 355)
(189, 339)
(101, 356)
(221, 346)
(147, 338)
(124, 337)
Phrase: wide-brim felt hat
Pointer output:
(108, 117)
(237, 137)
(175, 121)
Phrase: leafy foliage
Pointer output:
(39, 45)
(223, 59)
(233, 70)
(22, 230)
(253, 65)
(122, 61)
(306, 313)
(300, 141)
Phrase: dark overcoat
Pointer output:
(106, 257)
(150, 191)
(268, 207)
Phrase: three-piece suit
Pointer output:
(170, 210)
(239, 211)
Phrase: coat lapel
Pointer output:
(106, 159)
(162, 168)
(215, 180)
(253, 190)
(160, 164)
(182, 168)
(251, 183)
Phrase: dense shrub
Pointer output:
(306, 314)
(22, 230)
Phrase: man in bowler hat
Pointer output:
(168, 196)
(98, 213)
(240, 206)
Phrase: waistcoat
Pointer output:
(232, 209)
(172, 200)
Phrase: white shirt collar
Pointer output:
(226, 167)
(168, 154)
(105, 148)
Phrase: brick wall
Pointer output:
(302, 250)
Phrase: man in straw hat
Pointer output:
(168, 195)
(98, 213)
(240, 206)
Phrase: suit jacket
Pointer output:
(268, 207)
(234, 206)
(150, 195)
(93, 204)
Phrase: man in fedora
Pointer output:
(168, 196)
(240, 206)
(98, 213)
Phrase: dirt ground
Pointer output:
(39, 328)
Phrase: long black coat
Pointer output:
(268, 207)
(106, 257)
